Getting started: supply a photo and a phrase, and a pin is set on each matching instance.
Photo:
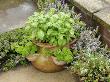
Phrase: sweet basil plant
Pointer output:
(56, 28)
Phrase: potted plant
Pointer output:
(52, 32)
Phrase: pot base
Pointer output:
(46, 64)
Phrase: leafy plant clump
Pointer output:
(64, 55)
(24, 47)
(88, 41)
(41, 4)
(8, 57)
(56, 28)
(91, 60)
(92, 67)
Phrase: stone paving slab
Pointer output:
(90, 6)
(107, 1)
(103, 17)
(30, 74)
(14, 13)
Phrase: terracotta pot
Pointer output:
(54, 59)
(45, 64)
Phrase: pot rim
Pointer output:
(47, 45)
(59, 63)
(32, 57)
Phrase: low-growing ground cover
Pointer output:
(8, 57)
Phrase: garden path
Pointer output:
(13, 13)
(30, 74)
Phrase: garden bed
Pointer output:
(95, 13)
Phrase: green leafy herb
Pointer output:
(53, 27)
(64, 55)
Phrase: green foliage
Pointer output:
(56, 28)
(92, 67)
(91, 59)
(41, 4)
(8, 57)
(12, 61)
(88, 41)
(24, 47)
(64, 55)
